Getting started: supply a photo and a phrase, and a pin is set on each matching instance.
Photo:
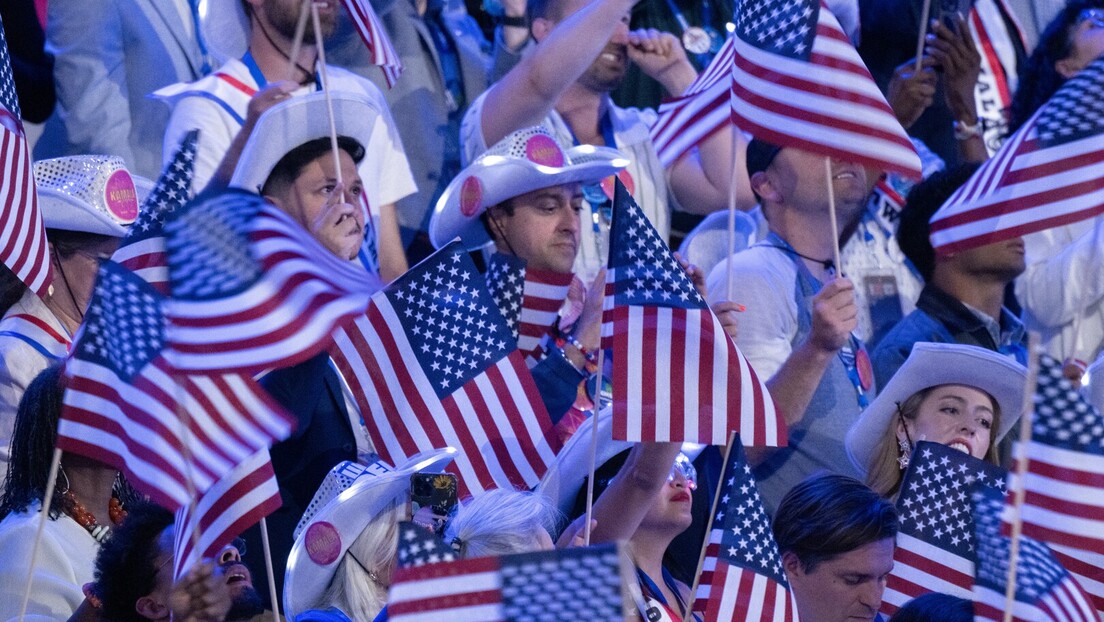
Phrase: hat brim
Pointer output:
(297, 121)
(566, 475)
(67, 213)
(343, 519)
(932, 365)
(502, 178)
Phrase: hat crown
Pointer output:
(535, 144)
(100, 183)
(340, 478)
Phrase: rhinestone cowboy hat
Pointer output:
(526, 160)
(89, 194)
(297, 121)
(933, 365)
(348, 499)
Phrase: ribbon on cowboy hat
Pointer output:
(89, 193)
(933, 365)
(526, 160)
(297, 121)
(322, 542)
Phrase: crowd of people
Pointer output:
(505, 133)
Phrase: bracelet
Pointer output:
(964, 131)
(517, 22)
(591, 357)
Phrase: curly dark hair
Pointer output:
(32, 445)
(924, 200)
(1039, 80)
(126, 567)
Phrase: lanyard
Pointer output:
(655, 592)
(259, 78)
(600, 205)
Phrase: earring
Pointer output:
(61, 471)
(905, 451)
(50, 290)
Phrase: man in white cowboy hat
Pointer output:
(254, 39)
(87, 202)
(525, 195)
(582, 52)
(288, 160)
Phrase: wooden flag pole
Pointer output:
(731, 218)
(326, 90)
(186, 453)
(925, 12)
(297, 42)
(832, 216)
(594, 442)
(1019, 491)
(47, 499)
(709, 527)
(268, 570)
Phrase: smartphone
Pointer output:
(946, 10)
(432, 498)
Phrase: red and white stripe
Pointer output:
(375, 38)
(730, 593)
(137, 426)
(38, 330)
(704, 108)
(147, 259)
(468, 590)
(234, 503)
(1065, 602)
(1022, 189)
(678, 377)
(828, 105)
(23, 246)
(920, 568)
(542, 297)
(497, 420)
(303, 294)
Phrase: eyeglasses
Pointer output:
(686, 468)
(1094, 16)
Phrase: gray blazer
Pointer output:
(110, 55)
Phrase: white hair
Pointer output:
(354, 591)
(499, 522)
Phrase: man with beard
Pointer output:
(134, 573)
(255, 37)
(582, 52)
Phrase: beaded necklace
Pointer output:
(86, 519)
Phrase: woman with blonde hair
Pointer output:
(958, 395)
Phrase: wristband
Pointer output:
(963, 131)
(591, 357)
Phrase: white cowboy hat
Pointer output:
(225, 28)
(932, 365)
(526, 160)
(297, 121)
(322, 542)
(89, 193)
(567, 474)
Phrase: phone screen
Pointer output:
(432, 497)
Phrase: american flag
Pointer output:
(234, 503)
(419, 546)
(530, 300)
(676, 374)
(798, 82)
(142, 251)
(1045, 591)
(704, 108)
(1049, 173)
(375, 38)
(1064, 483)
(742, 577)
(251, 289)
(569, 585)
(124, 403)
(935, 543)
(433, 365)
(22, 235)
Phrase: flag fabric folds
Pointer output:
(235, 502)
(704, 108)
(432, 364)
(676, 374)
(380, 49)
(1047, 174)
(126, 406)
(1064, 483)
(935, 542)
(530, 300)
(742, 577)
(520, 588)
(798, 82)
(1045, 591)
(23, 246)
(419, 546)
(251, 289)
